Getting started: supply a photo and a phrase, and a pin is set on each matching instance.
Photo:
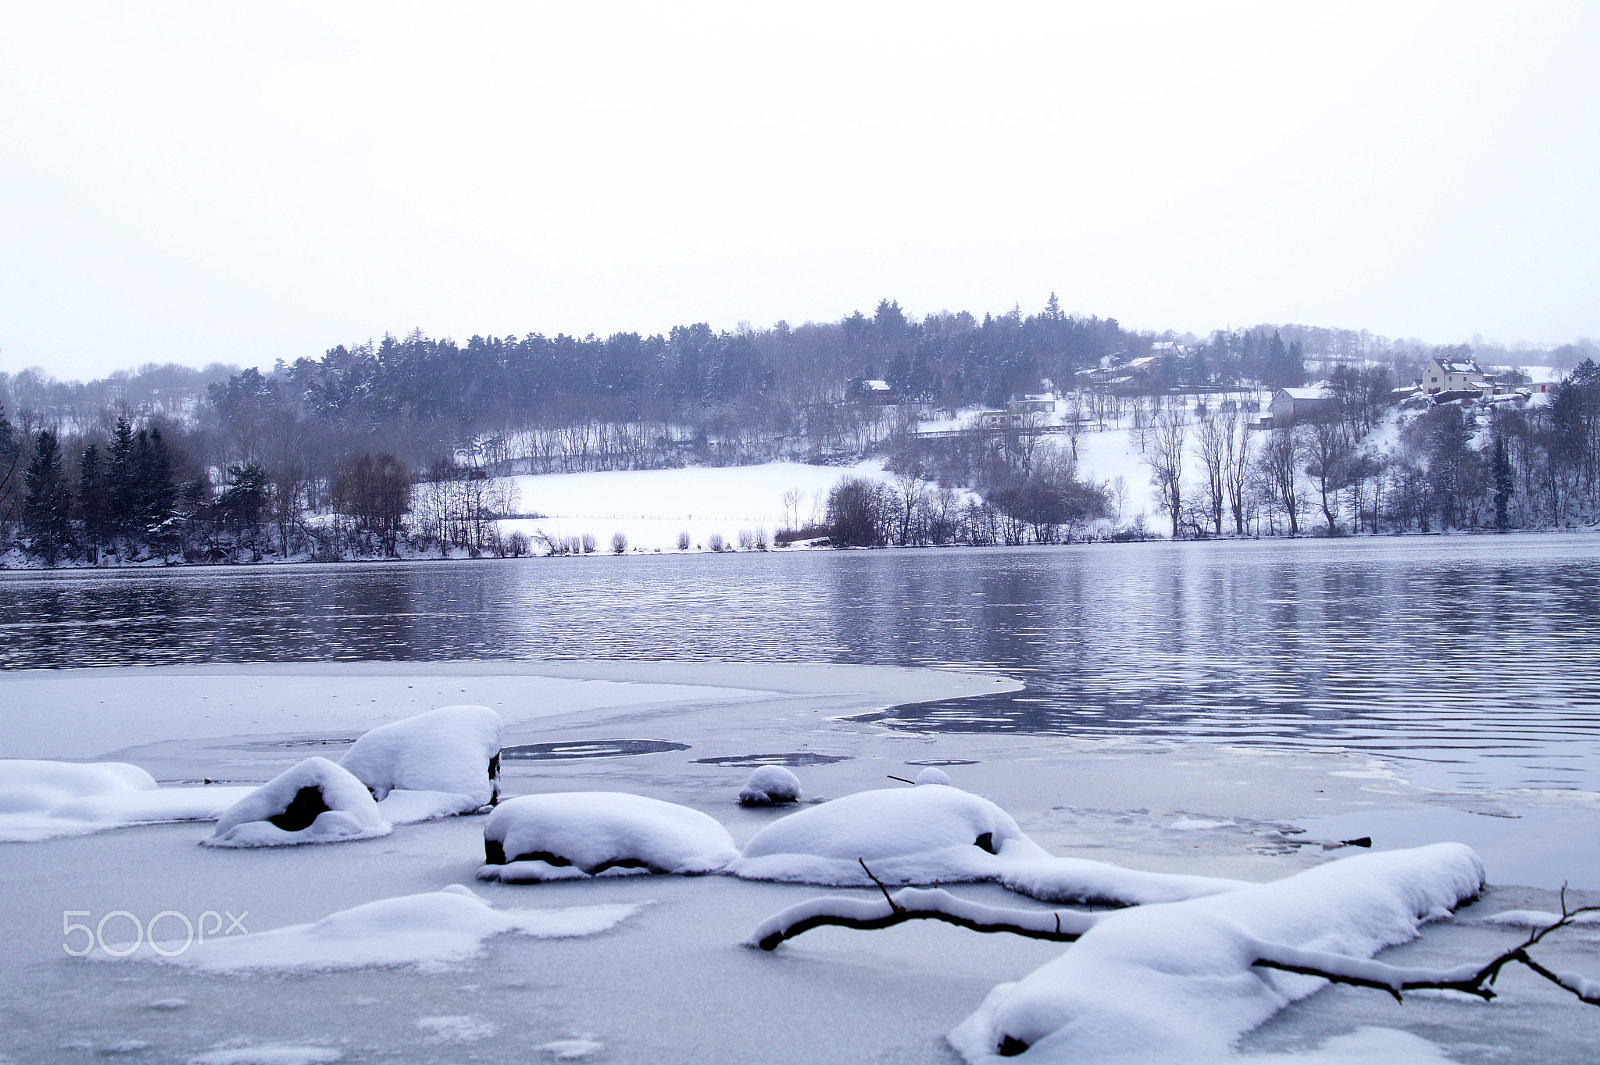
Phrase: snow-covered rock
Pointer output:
(905, 835)
(43, 799)
(314, 801)
(1176, 982)
(770, 785)
(453, 751)
(565, 835)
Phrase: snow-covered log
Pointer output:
(1178, 981)
(314, 801)
(564, 835)
(910, 904)
(453, 751)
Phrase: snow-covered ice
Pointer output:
(268, 1054)
(1130, 814)
(42, 799)
(432, 929)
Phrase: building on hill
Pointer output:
(1293, 405)
(878, 392)
(1451, 375)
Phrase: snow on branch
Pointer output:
(1363, 972)
(1471, 979)
(909, 904)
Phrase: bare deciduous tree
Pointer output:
(1165, 456)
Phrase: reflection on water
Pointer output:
(1477, 655)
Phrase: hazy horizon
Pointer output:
(194, 184)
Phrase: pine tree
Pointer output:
(121, 494)
(1504, 484)
(10, 468)
(92, 499)
(47, 510)
(155, 493)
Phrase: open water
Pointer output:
(1476, 659)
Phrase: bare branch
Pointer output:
(881, 887)
(1361, 972)
(1393, 979)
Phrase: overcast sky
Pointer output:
(235, 182)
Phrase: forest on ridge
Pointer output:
(378, 447)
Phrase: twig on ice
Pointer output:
(887, 897)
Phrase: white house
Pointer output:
(1291, 405)
(1451, 375)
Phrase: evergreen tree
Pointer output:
(121, 487)
(154, 491)
(10, 468)
(92, 498)
(1504, 484)
(47, 510)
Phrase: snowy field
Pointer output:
(653, 508)
(396, 948)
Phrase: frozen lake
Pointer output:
(1187, 708)
(1474, 662)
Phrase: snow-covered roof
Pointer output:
(1310, 392)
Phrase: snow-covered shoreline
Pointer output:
(670, 983)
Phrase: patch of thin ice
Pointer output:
(456, 1029)
(572, 1049)
(269, 1054)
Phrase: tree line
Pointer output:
(376, 445)
(1497, 463)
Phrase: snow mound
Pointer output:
(565, 835)
(906, 835)
(1176, 982)
(432, 929)
(932, 775)
(314, 801)
(770, 785)
(43, 800)
(452, 751)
